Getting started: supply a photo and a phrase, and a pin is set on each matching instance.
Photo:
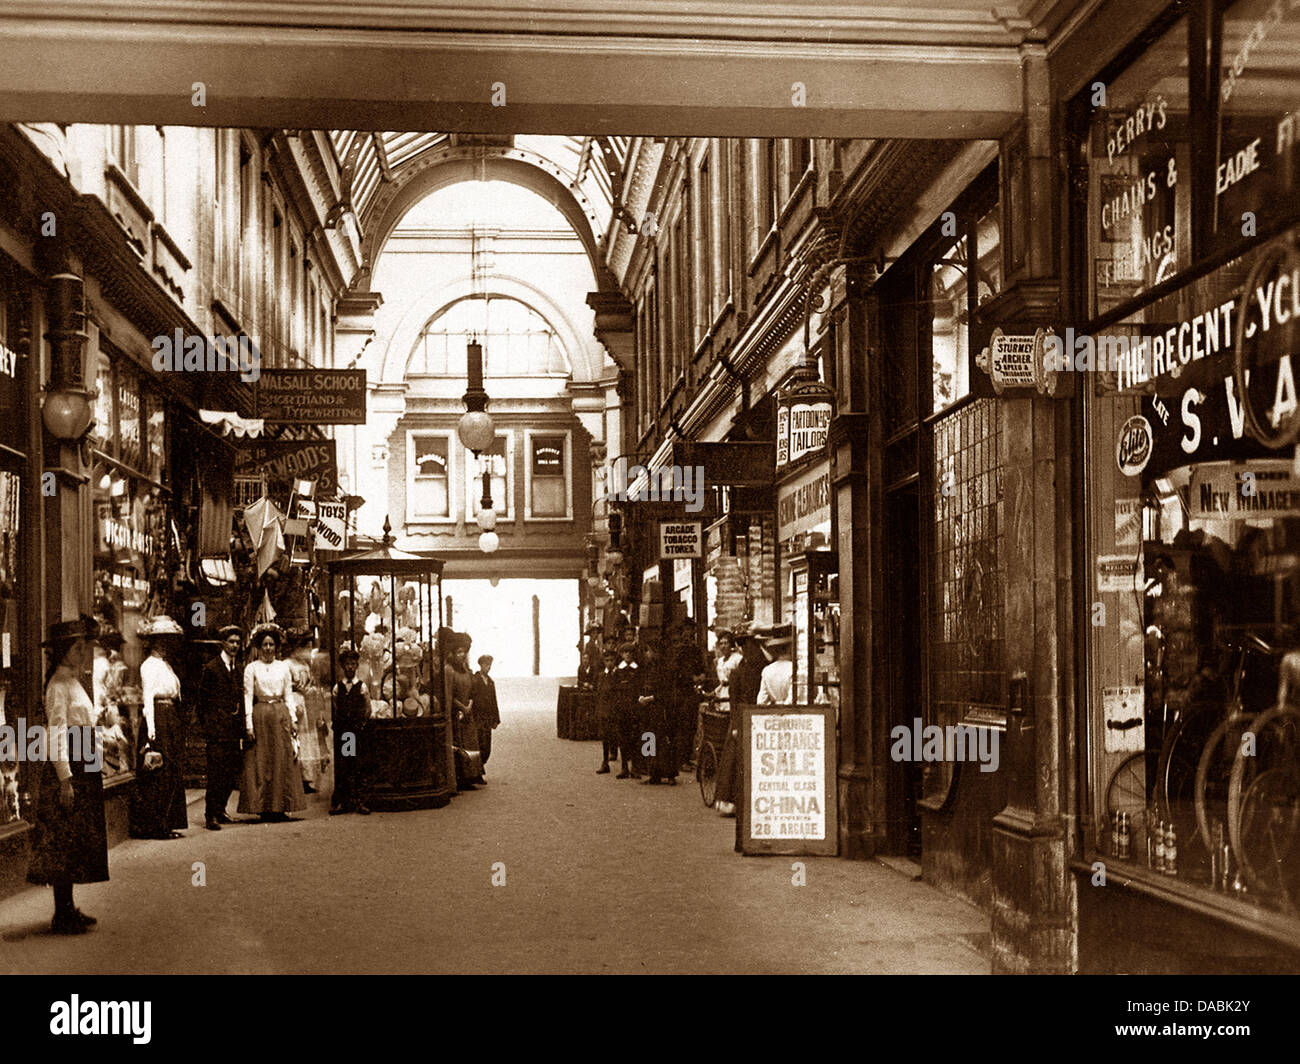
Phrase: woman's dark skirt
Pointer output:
(69, 845)
(158, 805)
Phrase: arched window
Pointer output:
(517, 341)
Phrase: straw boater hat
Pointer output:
(229, 630)
(779, 635)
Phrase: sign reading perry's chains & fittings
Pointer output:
(681, 539)
(788, 796)
(312, 396)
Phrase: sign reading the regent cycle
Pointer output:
(312, 396)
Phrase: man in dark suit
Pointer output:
(221, 715)
(486, 714)
(351, 711)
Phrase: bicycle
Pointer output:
(1264, 804)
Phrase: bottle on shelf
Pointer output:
(1171, 850)
(1160, 846)
(1125, 838)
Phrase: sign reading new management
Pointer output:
(312, 396)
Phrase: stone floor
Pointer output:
(601, 875)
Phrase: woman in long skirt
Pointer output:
(271, 784)
(158, 803)
(309, 751)
(69, 843)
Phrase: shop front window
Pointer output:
(496, 461)
(430, 483)
(130, 531)
(1193, 501)
(1195, 620)
(1139, 175)
(1256, 94)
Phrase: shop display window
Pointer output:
(131, 447)
(1194, 684)
(1255, 93)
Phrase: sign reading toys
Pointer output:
(312, 397)
(681, 539)
(789, 802)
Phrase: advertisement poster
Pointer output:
(1123, 708)
(788, 772)
(1119, 572)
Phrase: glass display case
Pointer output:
(815, 616)
(387, 604)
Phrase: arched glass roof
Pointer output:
(592, 167)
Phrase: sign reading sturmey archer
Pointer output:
(312, 396)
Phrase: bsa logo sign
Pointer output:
(1134, 447)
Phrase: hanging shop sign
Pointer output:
(311, 397)
(804, 408)
(804, 504)
(681, 539)
(331, 520)
(788, 776)
(283, 462)
(1240, 490)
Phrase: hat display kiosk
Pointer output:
(387, 605)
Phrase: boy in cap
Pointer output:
(627, 688)
(351, 711)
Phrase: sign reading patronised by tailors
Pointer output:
(788, 799)
(681, 539)
(312, 396)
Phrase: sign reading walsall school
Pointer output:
(312, 396)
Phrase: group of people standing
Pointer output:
(648, 694)
(472, 700)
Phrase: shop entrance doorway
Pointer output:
(903, 597)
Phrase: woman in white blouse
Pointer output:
(69, 840)
(158, 804)
(271, 784)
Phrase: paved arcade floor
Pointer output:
(601, 875)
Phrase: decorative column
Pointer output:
(855, 451)
(1034, 908)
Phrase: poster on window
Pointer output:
(548, 456)
(788, 800)
(1123, 711)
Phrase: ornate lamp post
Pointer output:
(477, 432)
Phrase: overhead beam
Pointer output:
(285, 76)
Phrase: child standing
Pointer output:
(351, 711)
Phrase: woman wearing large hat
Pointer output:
(69, 843)
(158, 804)
(271, 784)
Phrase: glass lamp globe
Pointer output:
(487, 519)
(614, 557)
(488, 542)
(476, 430)
(66, 414)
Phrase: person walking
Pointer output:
(743, 682)
(654, 725)
(69, 843)
(487, 716)
(777, 679)
(158, 803)
(687, 671)
(271, 782)
(626, 684)
(458, 682)
(351, 711)
(309, 748)
(221, 716)
(607, 711)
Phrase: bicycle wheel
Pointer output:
(1264, 803)
(1176, 765)
(1212, 791)
(1127, 793)
(706, 772)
